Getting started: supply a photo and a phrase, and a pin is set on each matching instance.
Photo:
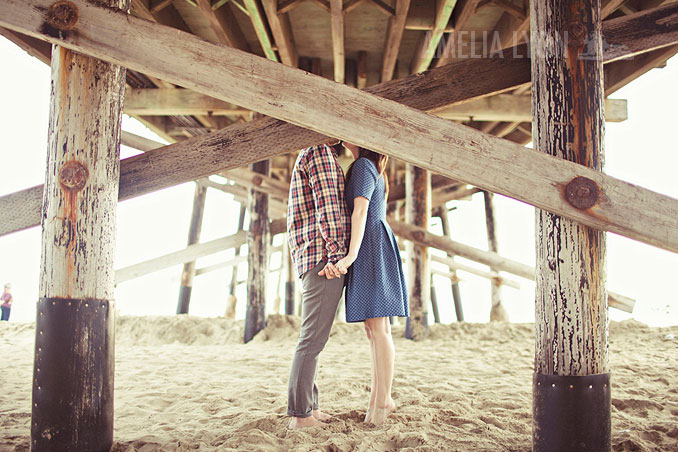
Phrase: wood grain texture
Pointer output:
(571, 319)
(282, 33)
(83, 172)
(428, 43)
(258, 239)
(418, 212)
(450, 149)
(394, 35)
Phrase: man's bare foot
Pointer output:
(381, 413)
(319, 415)
(305, 422)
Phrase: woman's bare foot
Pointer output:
(381, 413)
(305, 422)
(319, 415)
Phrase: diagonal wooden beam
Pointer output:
(507, 107)
(462, 13)
(282, 33)
(442, 146)
(394, 35)
(620, 73)
(259, 23)
(224, 24)
(337, 27)
(428, 43)
(34, 47)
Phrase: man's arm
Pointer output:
(325, 179)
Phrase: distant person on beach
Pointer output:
(375, 287)
(6, 299)
(318, 229)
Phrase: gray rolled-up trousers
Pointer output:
(319, 300)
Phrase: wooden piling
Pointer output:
(456, 293)
(497, 311)
(258, 239)
(571, 319)
(73, 370)
(231, 300)
(193, 237)
(418, 208)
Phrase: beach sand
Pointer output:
(186, 383)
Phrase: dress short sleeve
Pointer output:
(363, 180)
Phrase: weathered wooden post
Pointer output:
(193, 237)
(74, 348)
(456, 294)
(231, 300)
(497, 311)
(571, 380)
(290, 280)
(418, 208)
(258, 239)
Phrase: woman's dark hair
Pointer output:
(379, 161)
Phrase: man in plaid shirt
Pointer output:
(318, 230)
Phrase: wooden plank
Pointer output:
(324, 4)
(456, 266)
(287, 5)
(571, 303)
(224, 24)
(394, 35)
(428, 43)
(445, 147)
(461, 16)
(619, 73)
(383, 7)
(508, 107)
(418, 212)
(497, 311)
(258, 239)
(259, 23)
(175, 102)
(34, 47)
(350, 5)
(510, 7)
(337, 27)
(494, 260)
(194, 229)
(282, 33)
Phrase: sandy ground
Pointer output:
(188, 384)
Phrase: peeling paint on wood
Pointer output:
(567, 100)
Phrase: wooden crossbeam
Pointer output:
(489, 258)
(428, 43)
(454, 265)
(190, 253)
(282, 33)
(337, 28)
(620, 73)
(259, 23)
(224, 25)
(507, 107)
(34, 47)
(171, 102)
(394, 35)
(442, 146)
(461, 16)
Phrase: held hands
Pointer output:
(336, 270)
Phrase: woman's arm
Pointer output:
(358, 220)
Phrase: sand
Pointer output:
(185, 383)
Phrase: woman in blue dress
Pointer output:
(375, 288)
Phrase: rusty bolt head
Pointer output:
(582, 193)
(73, 175)
(63, 15)
(257, 180)
(418, 235)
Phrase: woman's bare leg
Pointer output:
(384, 358)
(373, 365)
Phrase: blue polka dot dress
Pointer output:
(375, 282)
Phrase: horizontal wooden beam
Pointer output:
(454, 265)
(190, 253)
(507, 107)
(453, 150)
(499, 263)
(175, 102)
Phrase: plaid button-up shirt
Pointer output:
(318, 223)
